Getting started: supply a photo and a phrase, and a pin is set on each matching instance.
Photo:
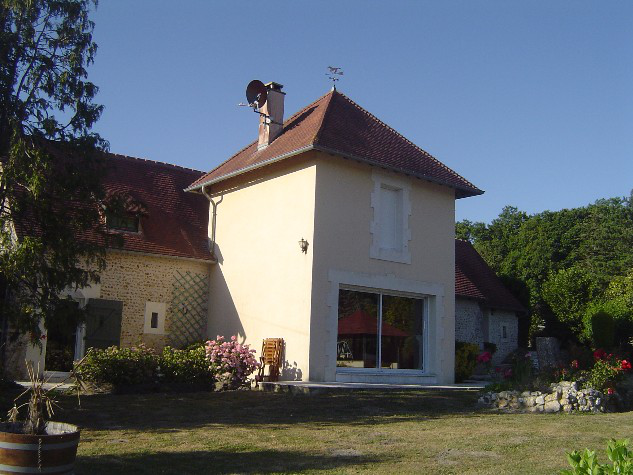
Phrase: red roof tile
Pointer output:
(174, 223)
(475, 279)
(335, 124)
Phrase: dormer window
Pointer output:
(123, 211)
(126, 222)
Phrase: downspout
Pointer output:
(214, 206)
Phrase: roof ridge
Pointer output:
(372, 116)
(289, 119)
(157, 162)
(317, 135)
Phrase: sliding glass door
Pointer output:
(379, 330)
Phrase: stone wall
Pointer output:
(136, 279)
(565, 396)
(497, 320)
(468, 321)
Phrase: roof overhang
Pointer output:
(460, 192)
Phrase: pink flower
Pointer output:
(575, 364)
(484, 357)
(625, 365)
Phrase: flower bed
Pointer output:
(216, 364)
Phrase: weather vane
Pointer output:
(334, 74)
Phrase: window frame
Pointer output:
(155, 307)
(425, 336)
(401, 185)
(112, 222)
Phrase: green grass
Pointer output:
(424, 432)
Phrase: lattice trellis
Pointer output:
(188, 308)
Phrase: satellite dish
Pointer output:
(256, 93)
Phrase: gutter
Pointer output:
(466, 191)
(249, 168)
(214, 205)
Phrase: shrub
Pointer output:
(586, 462)
(599, 326)
(231, 362)
(120, 366)
(188, 366)
(607, 371)
(522, 368)
(465, 360)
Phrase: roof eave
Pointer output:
(249, 168)
(461, 192)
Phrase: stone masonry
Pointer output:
(136, 279)
(565, 396)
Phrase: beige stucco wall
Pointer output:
(342, 243)
(136, 279)
(261, 286)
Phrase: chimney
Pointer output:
(271, 124)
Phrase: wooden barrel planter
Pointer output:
(52, 453)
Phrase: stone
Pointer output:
(502, 403)
(552, 406)
(540, 400)
(551, 397)
(568, 408)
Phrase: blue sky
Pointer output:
(531, 101)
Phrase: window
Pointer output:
(126, 222)
(390, 225)
(390, 219)
(377, 330)
(155, 317)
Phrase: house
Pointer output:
(154, 289)
(331, 231)
(330, 216)
(485, 311)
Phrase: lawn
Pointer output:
(360, 432)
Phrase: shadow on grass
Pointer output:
(165, 412)
(267, 461)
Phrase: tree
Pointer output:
(51, 234)
(559, 262)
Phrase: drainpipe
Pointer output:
(214, 205)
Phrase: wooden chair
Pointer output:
(272, 349)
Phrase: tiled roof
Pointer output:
(174, 223)
(335, 124)
(475, 279)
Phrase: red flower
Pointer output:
(610, 391)
(507, 374)
(575, 364)
(485, 357)
(43, 337)
(599, 354)
(625, 365)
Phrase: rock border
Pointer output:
(566, 396)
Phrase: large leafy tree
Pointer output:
(50, 189)
(558, 262)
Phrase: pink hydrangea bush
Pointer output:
(231, 362)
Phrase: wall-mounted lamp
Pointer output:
(303, 244)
